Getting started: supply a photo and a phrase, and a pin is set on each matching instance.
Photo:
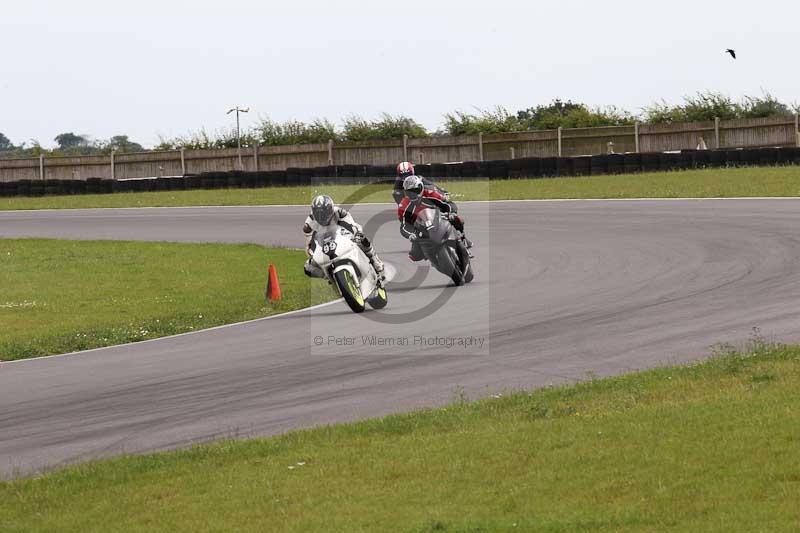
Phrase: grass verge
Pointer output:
(708, 183)
(707, 447)
(62, 296)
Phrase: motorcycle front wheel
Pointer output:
(447, 262)
(349, 289)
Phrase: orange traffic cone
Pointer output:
(273, 287)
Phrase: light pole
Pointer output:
(238, 137)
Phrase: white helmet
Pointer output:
(413, 187)
(322, 209)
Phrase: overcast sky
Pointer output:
(168, 67)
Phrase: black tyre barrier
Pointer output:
(651, 162)
(469, 169)
(532, 167)
(78, 187)
(293, 176)
(37, 188)
(53, 187)
(670, 160)
(386, 171)
(749, 157)
(320, 172)
(361, 172)
(733, 158)
(235, 180)
(548, 167)
(616, 163)
(453, 170)
(582, 166)
(93, 186)
(206, 182)
(498, 170)
(261, 179)
(345, 171)
(143, 185)
(516, 168)
(373, 171)
(702, 158)
(306, 175)
(767, 157)
(565, 166)
(162, 184)
(438, 170)
(193, 181)
(718, 158)
(277, 178)
(789, 155)
(599, 164)
(632, 163)
(687, 158)
(119, 186)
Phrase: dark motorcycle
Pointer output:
(443, 245)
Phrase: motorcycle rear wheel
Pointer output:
(448, 265)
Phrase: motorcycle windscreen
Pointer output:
(432, 226)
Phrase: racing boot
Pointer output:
(467, 245)
(375, 261)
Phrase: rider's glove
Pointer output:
(452, 217)
(412, 237)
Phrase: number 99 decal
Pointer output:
(329, 247)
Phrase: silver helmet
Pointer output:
(322, 209)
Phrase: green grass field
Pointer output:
(708, 447)
(710, 183)
(61, 296)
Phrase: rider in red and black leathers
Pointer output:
(418, 197)
(406, 169)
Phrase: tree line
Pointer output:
(67, 144)
(703, 106)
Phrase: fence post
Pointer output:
(41, 167)
(183, 161)
(559, 141)
(405, 147)
(797, 128)
(480, 146)
(716, 132)
(255, 157)
(636, 137)
(330, 152)
(113, 173)
(512, 152)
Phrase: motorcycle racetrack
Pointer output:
(563, 290)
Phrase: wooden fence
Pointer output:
(747, 133)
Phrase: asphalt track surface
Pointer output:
(563, 290)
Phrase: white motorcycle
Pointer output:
(346, 265)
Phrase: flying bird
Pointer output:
(731, 52)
